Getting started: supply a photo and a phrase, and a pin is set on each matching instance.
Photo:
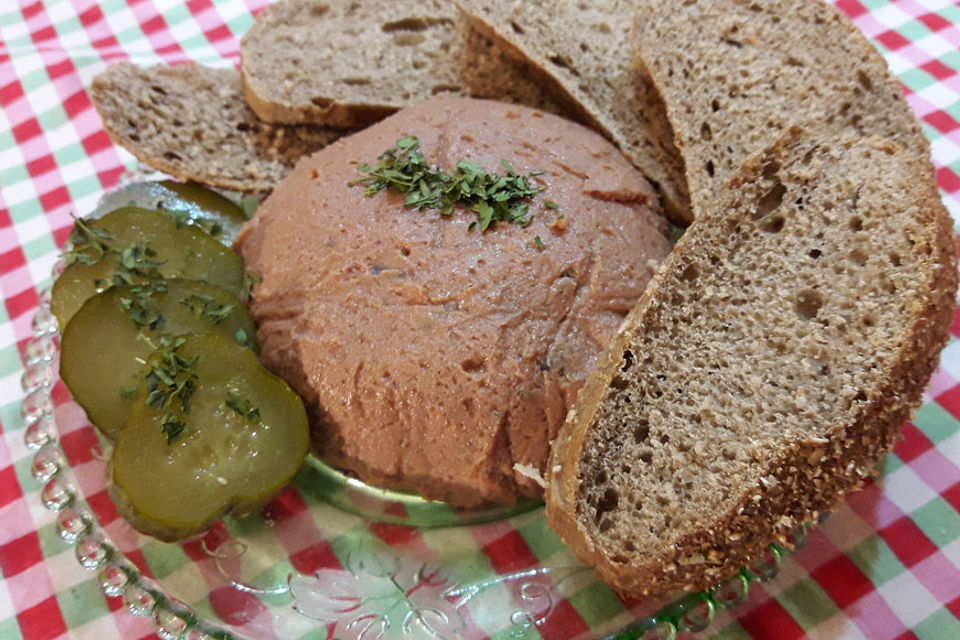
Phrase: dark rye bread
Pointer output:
(486, 71)
(734, 74)
(769, 364)
(580, 53)
(346, 63)
(192, 123)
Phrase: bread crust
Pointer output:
(330, 113)
(809, 477)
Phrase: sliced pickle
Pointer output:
(242, 440)
(208, 205)
(132, 245)
(212, 212)
(106, 343)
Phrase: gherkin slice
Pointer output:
(106, 343)
(188, 201)
(134, 245)
(241, 440)
(206, 206)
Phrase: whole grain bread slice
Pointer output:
(347, 63)
(487, 71)
(191, 122)
(581, 54)
(734, 75)
(771, 361)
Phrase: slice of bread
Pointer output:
(350, 63)
(582, 53)
(771, 361)
(346, 63)
(486, 71)
(734, 74)
(192, 123)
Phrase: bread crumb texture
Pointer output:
(736, 74)
(771, 362)
(348, 63)
(192, 122)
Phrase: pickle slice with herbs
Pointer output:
(213, 432)
(130, 246)
(206, 206)
(187, 201)
(104, 346)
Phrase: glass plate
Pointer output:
(334, 557)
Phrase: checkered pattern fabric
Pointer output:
(885, 567)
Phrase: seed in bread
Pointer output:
(582, 52)
(769, 364)
(191, 122)
(734, 75)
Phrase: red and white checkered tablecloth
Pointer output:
(885, 567)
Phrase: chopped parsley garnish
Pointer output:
(88, 244)
(243, 339)
(142, 309)
(538, 242)
(183, 218)
(249, 279)
(203, 306)
(139, 258)
(137, 263)
(170, 384)
(494, 198)
(242, 406)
